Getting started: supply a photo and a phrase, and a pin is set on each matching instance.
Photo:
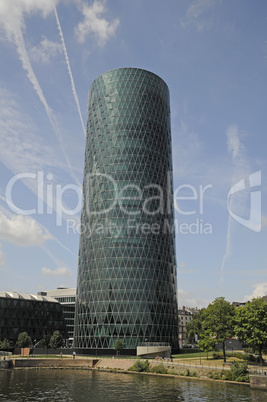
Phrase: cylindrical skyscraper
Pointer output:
(127, 271)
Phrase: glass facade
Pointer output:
(66, 297)
(36, 315)
(126, 286)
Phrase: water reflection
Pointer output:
(79, 385)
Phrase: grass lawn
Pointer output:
(194, 355)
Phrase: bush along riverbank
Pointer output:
(238, 371)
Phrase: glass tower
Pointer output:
(127, 271)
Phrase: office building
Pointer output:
(37, 315)
(185, 315)
(126, 286)
(66, 297)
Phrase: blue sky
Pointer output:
(213, 56)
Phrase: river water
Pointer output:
(82, 385)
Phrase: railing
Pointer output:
(154, 344)
(4, 353)
(258, 371)
(251, 370)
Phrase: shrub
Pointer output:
(140, 366)
(159, 369)
(239, 372)
(227, 375)
(215, 375)
(250, 357)
(239, 355)
(172, 371)
(189, 373)
(217, 355)
(248, 350)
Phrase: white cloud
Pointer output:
(22, 230)
(45, 51)
(94, 23)
(2, 259)
(233, 141)
(184, 269)
(198, 14)
(12, 23)
(186, 299)
(260, 289)
(20, 149)
(12, 13)
(59, 271)
(198, 7)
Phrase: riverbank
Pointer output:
(123, 366)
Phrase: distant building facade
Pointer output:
(185, 315)
(66, 297)
(36, 315)
(239, 304)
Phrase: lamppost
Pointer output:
(146, 348)
(232, 348)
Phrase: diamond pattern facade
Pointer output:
(127, 271)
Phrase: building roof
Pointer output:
(58, 292)
(26, 296)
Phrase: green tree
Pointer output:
(118, 345)
(45, 342)
(56, 340)
(24, 340)
(195, 326)
(5, 344)
(206, 342)
(251, 325)
(219, 321)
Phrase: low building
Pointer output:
(36, 315)
(185, 315)
(239, 304)
(66, 297)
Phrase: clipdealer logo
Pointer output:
(254, 221)
(188, 201)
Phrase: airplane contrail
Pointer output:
(69, 71)
(26, 64)
(240, 169)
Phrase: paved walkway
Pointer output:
(121, 364)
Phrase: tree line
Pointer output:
(53, 341)
(221, 321)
